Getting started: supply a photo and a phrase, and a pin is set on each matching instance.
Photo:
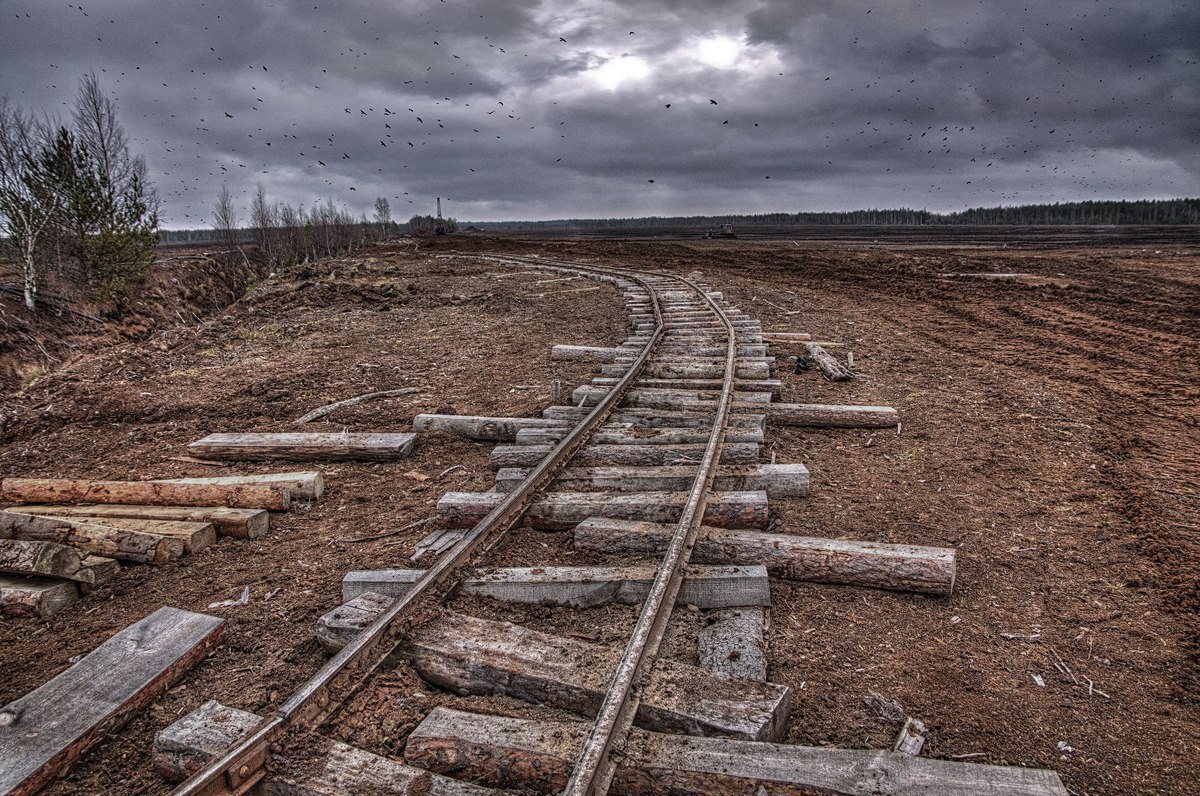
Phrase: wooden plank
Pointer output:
(538, 756)
(372, 446)
(654, 418)
(238, 523)
(93, 537)
(183, 748)
(832, 416)
(620, 455)
(732, 642)
(304, 485)
(48, 729)
(40, 598)
(464, 653)
(50, 559)
(556, 511)
(145, 493)
(882, 566)
(777, 480)
(492, 429)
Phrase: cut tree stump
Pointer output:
(41, 598)
(47, 730)
(489, 429)
(830, 367)
(465, 654)
(777, 480)
(372, 446)
(118, 543)
(538, 757)
(623, 455)
(238, 523)
(305, 485)
(882, 566)
(732, 642)
(832, 416)
(564, 510)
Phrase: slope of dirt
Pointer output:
(1049, 435)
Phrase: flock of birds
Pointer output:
(225, 123)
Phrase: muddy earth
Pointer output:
(1050, 433)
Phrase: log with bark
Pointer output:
(147, 493)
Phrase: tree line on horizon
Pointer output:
(1089, 213)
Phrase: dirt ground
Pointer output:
(1049, 433)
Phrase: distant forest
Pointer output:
(1164, 211)
(1159, 211)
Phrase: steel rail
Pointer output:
(594, 770)
(241, 766)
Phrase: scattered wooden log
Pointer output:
(777, 480)
(193, 536)
(557, 511)
(786, 337)
(50, 559)
(832, 416)
(538, 756)
(584, 353)
(830, 367)
(732, 642)
(493, 429)
(308, 485)
(44, 732)
(321, 411)
(238, 523)
(623, 455)
(145, 493)
(118, 543)
(302, 446)
(881, 566)
(183, 748)
(911, 739)
(40, 598)
(478, 656)
(609, 435)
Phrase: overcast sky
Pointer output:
(598, 108)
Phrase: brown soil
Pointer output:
(1049, 433)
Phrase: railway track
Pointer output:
(652, 473)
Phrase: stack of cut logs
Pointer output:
(65, 537)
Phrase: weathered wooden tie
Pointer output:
(304, 485)
(367, 446)
(41, 598)
(564, 510)
(478, 656)
(119, 543)
(777, 480)
(495, 429)
(655, 418)
(53, 560)
(883, 566)
(610, 435)
(623, 455)
(733, 642)
(44, 732)
(538, 756)
(832, 415)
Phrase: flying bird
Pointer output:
(713, 101)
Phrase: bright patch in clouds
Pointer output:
(719, 51)
(615, 71)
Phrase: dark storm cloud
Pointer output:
(818, 105)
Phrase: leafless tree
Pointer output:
(383, 215)
(224, 219)
(30, 196)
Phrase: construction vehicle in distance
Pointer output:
(723, 231)
(439, 226)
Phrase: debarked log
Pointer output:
(150, 493)
(878, 565)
